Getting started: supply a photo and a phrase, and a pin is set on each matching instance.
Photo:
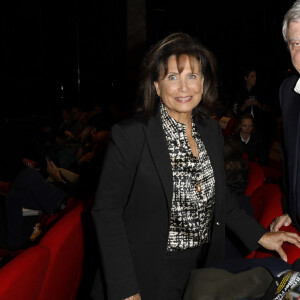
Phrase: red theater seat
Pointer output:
(227, 125)
(255, 178)
(65, 242)
(22, 277)
(267, 203)
(271, 174)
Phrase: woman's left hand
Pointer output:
(274, 241)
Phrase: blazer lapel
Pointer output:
(156, 140)
(159, 151)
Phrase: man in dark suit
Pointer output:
(290, 105)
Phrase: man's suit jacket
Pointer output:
(290, 106)
(133, 205)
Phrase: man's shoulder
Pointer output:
(289, 83)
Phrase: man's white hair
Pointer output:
(292, 15)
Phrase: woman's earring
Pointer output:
(160, 100)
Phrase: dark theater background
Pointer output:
(86, 51)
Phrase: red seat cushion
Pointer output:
(266, 201)
(22, 277)
(272, 174)
(65, 242)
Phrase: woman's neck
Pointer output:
(183, 118)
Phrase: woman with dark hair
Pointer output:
(162, 202)
(252, 99)
(249, 97)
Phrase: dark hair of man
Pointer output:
(155, 67)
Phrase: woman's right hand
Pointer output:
(135, 297)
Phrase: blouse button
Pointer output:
(218, 223)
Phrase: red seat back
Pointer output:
(22, 277)
(65, 242)
(227, 124)
(266, 201)
(255, 177)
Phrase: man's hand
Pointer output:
(274, 241)
(135, 297)
(279, 221)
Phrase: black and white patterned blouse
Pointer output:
(191, 211)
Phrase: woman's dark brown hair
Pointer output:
(155, 67)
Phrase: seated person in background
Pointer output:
(31, 190)
(236, 169)
(252, 142)
(248, 98)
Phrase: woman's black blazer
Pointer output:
(133, 204)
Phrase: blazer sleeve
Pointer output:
(240, 223)
(116, 180)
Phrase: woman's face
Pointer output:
(181, 93)
(246, 126)
(251, 79)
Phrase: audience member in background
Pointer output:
(236, 168)
(252, 99)
(65, 120)
(31, 190)
(90, 154)
(67, 137)
(74, 128)
(290, 106)
(248, 98)
(252, 142)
